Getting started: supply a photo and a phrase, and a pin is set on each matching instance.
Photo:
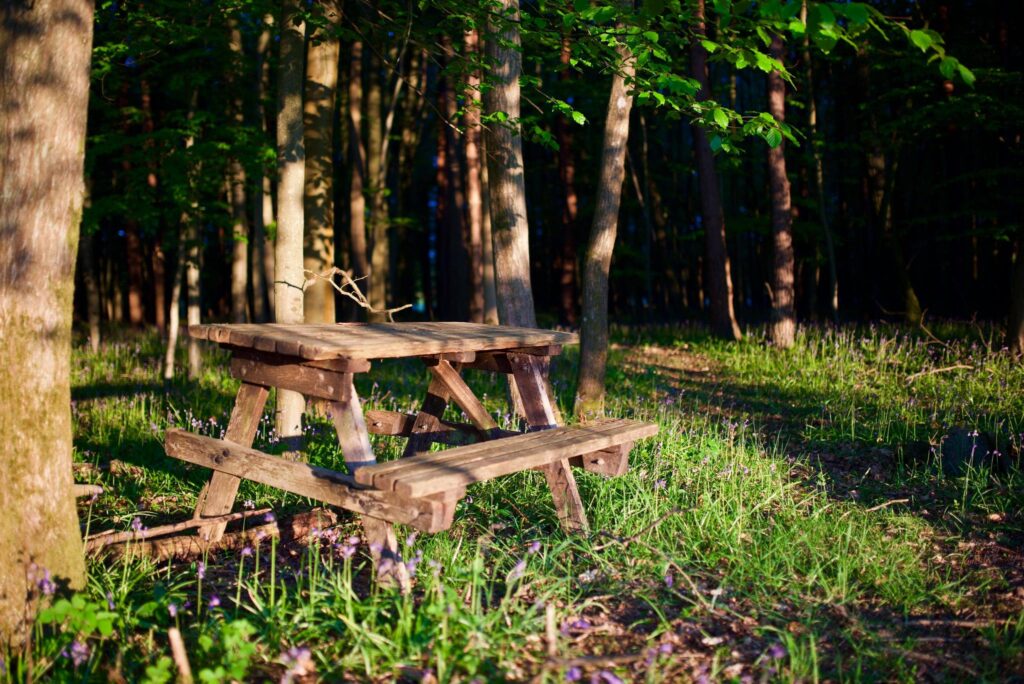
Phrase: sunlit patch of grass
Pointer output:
(719, 521)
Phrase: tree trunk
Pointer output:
(507, 189)
(566, 260)
(44, 91)
(157, 260)
(783, 325)
(819, 173)
(239, 215)
(357, 152)
(1015, 332)
(263, 209)
(321, 92)
(455, 238)
(291, 161)
(474, 197)
(193, 299)
(594, 327)
(87, 262)
(376, 175)
(487, 240)
(717, 276)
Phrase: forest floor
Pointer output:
(795, 520)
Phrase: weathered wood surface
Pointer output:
(611, 462)
(218, 497)
(340, 364)
(460, 392)
(381, 340)
(437, 472)
(452, 433)
(312, 382)
(314, 482)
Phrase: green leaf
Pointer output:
(709, 45)
(651, 36)
(578, 117)
(581, 5)
(947, 67)
(967, 75)
(721, 118)
(773, 137)
(921, 39)
(856, 12)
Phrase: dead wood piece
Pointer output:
(108, 537)
(83, 490)
(296, 529)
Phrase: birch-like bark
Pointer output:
(291, 164)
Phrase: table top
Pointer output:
(316, 342)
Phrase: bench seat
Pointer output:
(452, 469)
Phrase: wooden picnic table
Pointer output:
(422, 488)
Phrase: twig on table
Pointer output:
(350, 289)
(101, 539)
(958, 366)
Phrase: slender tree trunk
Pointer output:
(1015, 332)
(487, 239)
(357, 197)
(193, 299)
(566, 260)
(717, 276)
(783, 327)
(157, 261)
(321, 93)
(376, 174)
(175, 316)
(819, 173)
(44, 90)
(507, 188)
(474, 190)
(236, 185)
(594, 328)
(263, 210)
(456, 236)
(87, 262)
(291, 161)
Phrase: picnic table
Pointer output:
(422, 488)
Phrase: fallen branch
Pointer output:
(106, 538)
(296, 529)
(180, 656)
(886, 505)
(959, 366)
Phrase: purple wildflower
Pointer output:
(249, 504)
(777, 651)
(660, 484)
(214, 601)
(110, 600)
(78, 653)
(573, 674)
(533, 548)
(137, 525)
(517, 571)
(269, 517)
(201, 570)
(411, 539)
(46, 584)
(246, 551)
(669, 579)
(172, 610)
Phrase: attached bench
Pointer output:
(434, 473)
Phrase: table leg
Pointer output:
(354, 440)
(541, 413)
(218, 496)
(428, 420)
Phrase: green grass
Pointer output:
(746, 540)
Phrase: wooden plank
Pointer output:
(383, 340)
(387, 561)
(532, 385)
(312, 382)
(460, 392)
(218, 496)
(350, 425)
(513, 444)
(451, 357)
(379, 422)
(325, 485)
(428, 420)
(612, 462)
(340, 364)
(465, 465)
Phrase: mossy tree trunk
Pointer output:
(44, 89)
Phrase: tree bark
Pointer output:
(474, 188)
(376, 175)
(87, 262)
(590, 388)
(263, 209)
(44, 91)
(291, 161)
(174, 324)
(321, 93)
(487, 240)
(783, 324)
(507, 189)
(717, 276)
(357, 152)
(239, 215)
(193, 298)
